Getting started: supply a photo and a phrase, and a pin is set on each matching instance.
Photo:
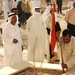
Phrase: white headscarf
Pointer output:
(9, 19)
(34, 12)
(10, 16)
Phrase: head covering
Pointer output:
(57, 27)
(11, 14)
(13, 9)
(37, 8)
(34, 10)
(9, 19)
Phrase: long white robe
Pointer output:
(12, 52)
(68, 52)
(46, 16)
(36, 43)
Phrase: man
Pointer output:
(27, 10)
(70, 19)
(15, 11)
(46, 16)
(59, 4)
(70, 3)
(20, 13)
(36, 41)
(67, 44)
(6, 9)
(12, 41)
(23, 11)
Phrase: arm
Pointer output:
(71, 62)
(67, 16)
(6, 34)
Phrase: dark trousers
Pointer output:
(59, 10)
(71, 27)
(51, 55)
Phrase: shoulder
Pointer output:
(70, 10)
(6, 26)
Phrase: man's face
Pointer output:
(15, 12)
(67, 38)
(37, 9)
(13, 20)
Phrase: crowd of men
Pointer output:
(39, 30)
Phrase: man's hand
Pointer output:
(64, 65)
(15, 41)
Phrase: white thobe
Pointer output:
(6, 9)
(36, 43)
(12, 52)
(68, 52)
(46, 16)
